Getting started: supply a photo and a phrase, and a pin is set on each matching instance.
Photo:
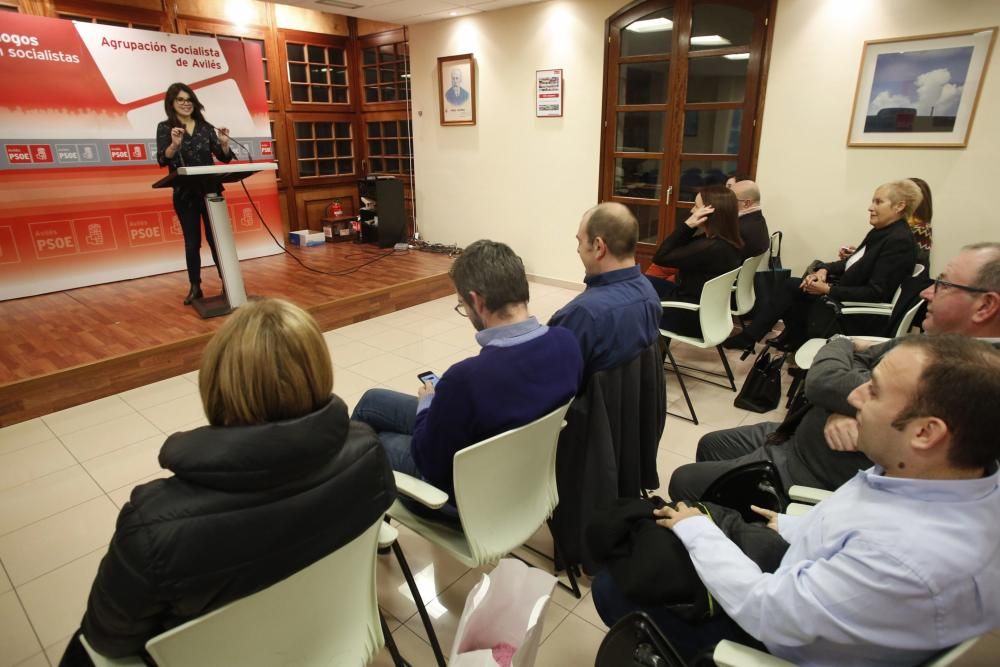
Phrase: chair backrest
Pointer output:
(907, 321)
(917, 270)
(949, 656)
(505, 487)
(745, 296)
(326, 614)
(713, 312)
(756, 483)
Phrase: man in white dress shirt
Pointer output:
(901, 561)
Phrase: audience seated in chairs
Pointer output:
(753, 227)
(898, 563)
(699, 258)
(819, 446)
(279, 479)
(524, 370)
(872, 273)
(616, 316)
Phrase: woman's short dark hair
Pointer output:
(724, 221)
(960, 385)
(493, 271)
(173, 91)
(925, 209)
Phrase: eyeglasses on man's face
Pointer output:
(940, 283)
(461, 310)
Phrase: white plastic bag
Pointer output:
(505, 607)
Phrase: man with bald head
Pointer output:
(753, 227)
(618, 314)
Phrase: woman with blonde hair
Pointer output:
(278, 480)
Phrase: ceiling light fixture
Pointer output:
(651, 25)
(737, 56)
(339, 4)
(710, 40)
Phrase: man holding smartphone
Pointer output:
(524, 370)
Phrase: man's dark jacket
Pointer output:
(247, 507)
(753, 230)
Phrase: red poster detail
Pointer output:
(171, 226)
(95, 234)
(244, 219)
(144, 229)
(119, 151)
(41, 153)
(8, 247)
(265, 148)
(52, 239)
(137, 151)
(18, 153)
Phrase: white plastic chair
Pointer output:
(883, 309)
(325, 614)
(716, 324)
(745, 296)
(505, 489)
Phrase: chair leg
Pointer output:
(390, 643)
(573, 587)
(725, 363)
(680, 378)
(421, 609)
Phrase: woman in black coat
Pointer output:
(871, 273)
(280, 479)
(698, 258)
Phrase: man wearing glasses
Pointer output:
(822, 451)
(524, 371)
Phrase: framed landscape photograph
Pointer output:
(920, 91)
(457, 89)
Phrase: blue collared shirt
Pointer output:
(886, 571)
(614, 319)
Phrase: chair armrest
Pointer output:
(421, 491)
(808, 494)
(680, 304)
(798, 509)
(731, 654)
(104, 661)
(866, 310)
(387, 535)
(866, 304)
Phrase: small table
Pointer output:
(339, 229)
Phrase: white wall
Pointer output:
(817, 189)
(526, 180)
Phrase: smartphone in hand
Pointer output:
(428, 376)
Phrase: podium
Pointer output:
(208, 179)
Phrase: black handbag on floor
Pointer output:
(761, 391)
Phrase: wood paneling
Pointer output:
(252, 12)
(311, 204)
(67, 348)
(369, 27)
(298, 18)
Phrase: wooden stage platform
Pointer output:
(66, 348)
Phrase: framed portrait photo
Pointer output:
(920, 91)
(457, 94)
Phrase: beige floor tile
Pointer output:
(17, 640)
(346, 381)
(88, 414)
(126, 465)
(44, 497)
(984, 653)
(572, 644)
(432, 326)
(666, 463)
(113, 434)
(192, 377)
(406, 383)
(463, 338)
(400, 317)
(588, 612)
(25, 434)
(37, 660)
(427, 350)
(561, 595)
(170, 416)
(51, 543)
(714, 405)
(158, 392)
(361, 330)
(33, 462)
(121, 495)
(412, 648)
(387, 366)
(391, 340)
(55, 602)
(197, 423)
(352, 352)
(4, 580)
(681, 437)
(55, 651)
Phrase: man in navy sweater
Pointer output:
(618, 315)
(524, 371)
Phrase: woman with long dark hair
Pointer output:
(700, 258)
(186, 139)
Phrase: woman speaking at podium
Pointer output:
(186, 139)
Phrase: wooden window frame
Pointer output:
(384, 117)
(110, 12)
(325, 41)
(186, 25)
(374, 41)
(296, 179)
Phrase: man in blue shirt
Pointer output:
(618, 315)
(901, 561)
(524, 371)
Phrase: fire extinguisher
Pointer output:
(335, 210)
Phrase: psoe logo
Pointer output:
(18, 153)
(118, 151)
(266, 148)
(41, 153)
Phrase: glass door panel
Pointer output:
(712, 131)
(643, 83)
(717, 79)
(640, 132)
(652, 34)
(715, 26)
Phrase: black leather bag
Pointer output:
(768, 281)
(635, 641)
(761, 391)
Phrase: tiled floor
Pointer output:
(64, 476)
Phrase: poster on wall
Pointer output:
(920, 91)
(548, 93)
(79, 105)
(457, 78)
